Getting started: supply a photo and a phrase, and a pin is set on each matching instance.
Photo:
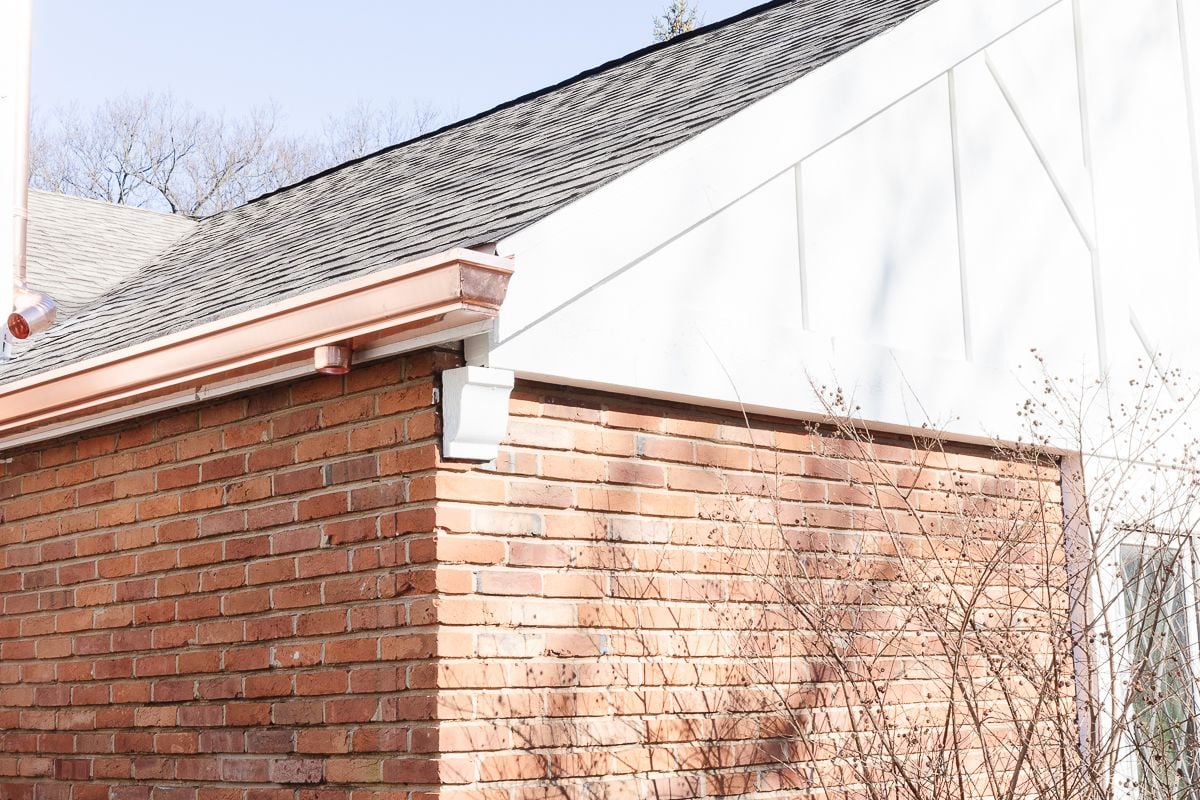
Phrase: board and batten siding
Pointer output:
(907, 222)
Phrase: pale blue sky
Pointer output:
(316, 58)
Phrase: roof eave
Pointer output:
(427, 300)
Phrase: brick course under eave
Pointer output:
(289, 594)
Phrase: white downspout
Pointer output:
(14, 34)
(23, 56)
(33, 311)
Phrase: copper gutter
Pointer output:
(443, 292)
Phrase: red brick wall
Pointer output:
(608, 629)
(288, 595)
(215, 601)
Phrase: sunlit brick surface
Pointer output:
(288, 595)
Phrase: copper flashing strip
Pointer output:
(444, 291)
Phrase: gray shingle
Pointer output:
(82, 248)
(476, 181)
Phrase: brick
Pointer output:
(200, 444)
(538, 554)
(351, 710)
(546, 495)
(636, 472)
(297, 771)
(270, 516)
(572, 468)
(351, 650)
(354, 770)
(322, 740)
(350, 409)
(407, 398)
(509, 582)
(223, 467)
(540, 434)
(295, 422)
(352, 470)
(323, 505)
(420, 426)
(322, 445)
(200, 499)
(606, 498)
(298, 480)
(271, 457)
(403, 460)
(473, 488)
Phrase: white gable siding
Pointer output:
(879, 230)
(906, 223)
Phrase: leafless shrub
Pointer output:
(948, 632)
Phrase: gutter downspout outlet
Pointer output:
(332, 359)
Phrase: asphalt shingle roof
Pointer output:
(470, 183)
(82, 248)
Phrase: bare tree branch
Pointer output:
(156, 152)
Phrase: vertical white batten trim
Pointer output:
(1190, 104)
(709, 216)
(17, 47)
(959, 213)
(1085, 130)
(801, 255)
(23, 62)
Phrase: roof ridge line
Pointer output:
(107, 204)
